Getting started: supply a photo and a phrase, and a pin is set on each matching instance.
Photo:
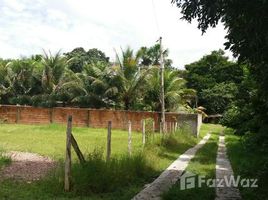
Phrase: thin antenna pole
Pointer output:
(162, 69)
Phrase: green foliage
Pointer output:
(4, 160)
(248, 156)
(120, 178)
(151, 56)
(79, 58)
(247, 31)
(87, 79)
(98, 176)
(176, 93)
(219, 96)
(215, 79)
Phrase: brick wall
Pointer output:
(93, 117)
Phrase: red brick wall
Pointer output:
(88, 117)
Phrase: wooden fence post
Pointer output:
(67, 172)
(143, 132)
(109, 133)
(160, 127)
(51, 115)
(129, 138)
(153, 128)
(77, 150)
(17, 114)
(88, 118)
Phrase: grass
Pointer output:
(248, 161)
(203, 164)
(121, 178)
(49, 140)
(4, 160)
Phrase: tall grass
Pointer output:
(99, 176)
(4, 160)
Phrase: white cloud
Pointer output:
(27, 26)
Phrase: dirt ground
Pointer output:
(26, 166)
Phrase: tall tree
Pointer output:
(176, 93)
(247, 29)
(213, 76)
(79, 58)
(151, 56)
(129, 78)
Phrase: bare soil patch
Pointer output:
(27, 166)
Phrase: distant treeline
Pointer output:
(88, 79)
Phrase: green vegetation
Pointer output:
(4, 160)
(120, 178)
(87, 79)
(49, 140)
(202, 164)
(215, 79)
(246, 37)
(248, 161)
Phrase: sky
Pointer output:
(29, 26)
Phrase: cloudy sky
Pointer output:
(28, 26)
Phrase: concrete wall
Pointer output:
(95, 118)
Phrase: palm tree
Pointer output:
(97, 81)
(176, 94)
(23, 76)
(128, 78)
(6, 82)
(151, 56)
(17, 77)
(60, 81)
(54, 67)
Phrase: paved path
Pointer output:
(170, 176)
(224, 170)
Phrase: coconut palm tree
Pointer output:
(176, 94)
(129, 78)
(58, 81)
(97, 82)
(151, 56)
(54, 67)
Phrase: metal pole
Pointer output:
(162, 69)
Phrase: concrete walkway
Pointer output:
(223, 172)
(170, 176)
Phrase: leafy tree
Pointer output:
(79, 58)
(247, 30)
(212, 76)
(219, 96)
